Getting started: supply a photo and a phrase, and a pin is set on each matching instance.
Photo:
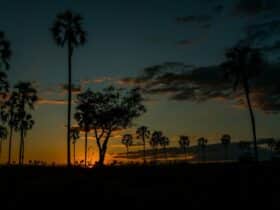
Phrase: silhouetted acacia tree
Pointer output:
(184, 143)
(242, 64)
(202, 142)
(83, 115)
(225, 140)
(164, 142)
(113, 109)
(154, 141)
(3, 136)
(127, 141)
(27, 96)
(8, 112)
(143, 133)
(75, 135)
(67, 30)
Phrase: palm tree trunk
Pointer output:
(246, 88)
(69, 102)
(127, 152)
(144, 145)
(20, 161)
(86, 143)
(10, 145)
(22, 152)
(74, 152)
(0, 148)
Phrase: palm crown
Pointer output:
(143, 132)
(68, 27)
(243, 63)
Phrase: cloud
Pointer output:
(75, 89)
(187, 42)
(42, 101)
(274, 47)
(194, 19)
(206, 83)
(255, 7)
(218, 8)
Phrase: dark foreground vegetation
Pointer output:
(226, 185)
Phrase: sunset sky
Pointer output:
(125, 37)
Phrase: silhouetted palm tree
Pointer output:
(27, 96)
(142, 133)
(127, 141)
(3, 136)
(202, 142)
(154, 141)
(67, 29)
(242, 64)
(83, 115)
(164, 142)
(246, 149)
(5, 52)
(8, 112)
(271, 143)
(184, 143)
(225, 140)
(75, 135)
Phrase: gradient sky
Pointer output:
(123, 38)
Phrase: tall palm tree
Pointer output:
(202, 142)
(154, 141)
(143, 133)
(127, 141)
(184, 143)
(164, 142)
(67, 29)
(3, 136)
(75, 135)
(242, 64)
(8, 113)
(27, 96)
(225, 140)
(83, 115)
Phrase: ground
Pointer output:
(226, 185)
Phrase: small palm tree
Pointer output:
(143, 133)
(271, 143)
(225, 140)
(75, 135)
(83, 115)
(67, 30)
(3, 136)
(154, 141)
(243, 63)
(164, 142)
(202, 142)
(27, 96)
(245, 147)
(127, 141)
(184, 143)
